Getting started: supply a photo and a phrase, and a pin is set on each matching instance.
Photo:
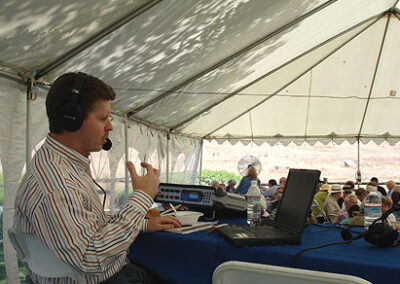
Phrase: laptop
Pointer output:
(291, 218)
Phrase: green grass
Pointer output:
(21, 268)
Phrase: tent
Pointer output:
(185, 71)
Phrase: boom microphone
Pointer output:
(107, 146)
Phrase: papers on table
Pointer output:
(199, 226)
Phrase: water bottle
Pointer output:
(253, 198)
(372, 207)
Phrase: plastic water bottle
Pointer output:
(372, 207)
(253, 198)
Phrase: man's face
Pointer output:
(95, 128)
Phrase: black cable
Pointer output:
(102, 189)
(294, 258)
(327, 227)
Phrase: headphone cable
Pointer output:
(294, 258)
(102, 189)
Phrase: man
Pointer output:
(349, 201)
(57, 199)
(282, 181)
(390, 186)
(331, 206)
(269, 193)
(320, 197)
(361, 193)
(380, 188)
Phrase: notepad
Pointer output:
(199, 226)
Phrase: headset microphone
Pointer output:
(107, 146)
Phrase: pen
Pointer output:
(215, 227)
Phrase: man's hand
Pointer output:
(162, 223)
(149, 182)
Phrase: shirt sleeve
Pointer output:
(86, 238)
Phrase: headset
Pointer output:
(72, 113)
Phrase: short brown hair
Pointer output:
(93, 90)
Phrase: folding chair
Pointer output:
(321, 216)
(239, 272)
(39, 259)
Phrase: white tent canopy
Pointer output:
(260, 70)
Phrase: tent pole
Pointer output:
(167, 160)
(201, 159)
(378, 61)
(30, 96)
(28, 128)
(126, 155)
(358, 161)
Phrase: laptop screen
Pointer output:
(297, 196)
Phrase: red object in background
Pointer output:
(358, 176)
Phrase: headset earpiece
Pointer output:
(72, 114)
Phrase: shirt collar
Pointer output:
(68, 153)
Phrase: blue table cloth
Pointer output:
(193, 258)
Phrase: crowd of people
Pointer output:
(333, 203)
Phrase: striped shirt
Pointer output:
(57, 201)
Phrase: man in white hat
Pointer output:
(331, 206)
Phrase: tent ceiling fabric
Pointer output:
(261, 70)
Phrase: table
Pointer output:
(193, 258)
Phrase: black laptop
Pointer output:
(291, 217)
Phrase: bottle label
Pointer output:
(373, 211)
(253, 199)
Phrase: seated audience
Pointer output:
(347, 190)
(349, 201)
(231, 185)
(214, 184)
(375, 181)
(353, 212)
(386, 205)
(271, 190)
(350, 184)
(357, 220)
(361, 193)
(282, 181)
(390, 187)
(331, 206)
(272, 207)
(245, 182)
(368, 186)
(320, 198)
(396, 200)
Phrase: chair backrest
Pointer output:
(41, 260)
(321, 212)
(235, 272)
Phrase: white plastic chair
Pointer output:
(238, 272)
(39, 259)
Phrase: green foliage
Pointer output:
(221, 176)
